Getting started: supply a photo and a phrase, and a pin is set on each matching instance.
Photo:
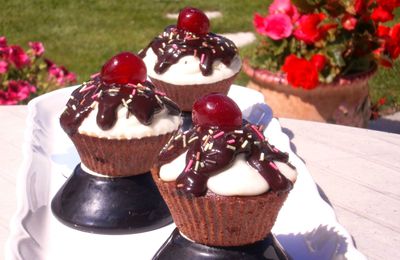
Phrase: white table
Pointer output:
(357, 169)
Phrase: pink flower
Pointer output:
(37, 48)
(17, 91)
(60, 74)
(70, 78)
(56, 73)
(3, 41)
(3, 47)
(309, 29)
(275, 26)
(3, 67)
(284, 7)
(349, 22)
(17, 56)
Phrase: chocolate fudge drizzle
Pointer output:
(173, 44)
(212, 150)
(141, 100)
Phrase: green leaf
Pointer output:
(306, 6)
(335, 52)
(359, 64)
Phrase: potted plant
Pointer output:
(314, 57)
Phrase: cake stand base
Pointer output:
(103, 205)
(178, 247)
(187, 122)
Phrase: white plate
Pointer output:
(306, 226)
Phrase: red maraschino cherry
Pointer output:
(124, 68)
(216, 109)
(193, 20)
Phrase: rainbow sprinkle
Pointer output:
(219, 134)
(231, 141)
(257, 132)
(273, 166)
(189, 165)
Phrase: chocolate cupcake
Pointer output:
(186, 61)
(118, 121)
(222, 181)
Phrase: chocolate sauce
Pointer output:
(173, 44)
(141, 101)
(212, 150)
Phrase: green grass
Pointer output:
(83, 34)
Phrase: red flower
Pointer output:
(300, 72)
(389, 5)
(37, 48)
(393, 44)
(382, 101)
(3, 67)
(17, 56)
(382, 15)
(360, 6)
(17, 91)
(275, 26)
(319, 61)
(309, 29)
(349, 22)
(383, 31)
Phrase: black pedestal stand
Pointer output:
(187, 122)
(178, 247)
(122, 205)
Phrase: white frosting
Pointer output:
(187, 71)
(128, 128)
(89, 171)
(238, 180)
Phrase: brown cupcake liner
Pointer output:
(119, 158)
(216, 220)
(186, 95)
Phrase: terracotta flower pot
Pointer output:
(345, 101)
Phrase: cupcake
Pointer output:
(186, 61)
(117, 121)
(222, 181)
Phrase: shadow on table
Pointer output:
(321, 243)
(385, 125)
(290, 134)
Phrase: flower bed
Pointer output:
(27, 74)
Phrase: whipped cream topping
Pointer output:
(232, 163)
(243, 179)
(181, 57)
(186, 70)
(119, 111)
(131, 127)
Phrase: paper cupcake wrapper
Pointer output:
(216, 220)
(186, 95)
(115, 158)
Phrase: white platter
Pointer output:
(306, 227)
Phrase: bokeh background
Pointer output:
(83, 34)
